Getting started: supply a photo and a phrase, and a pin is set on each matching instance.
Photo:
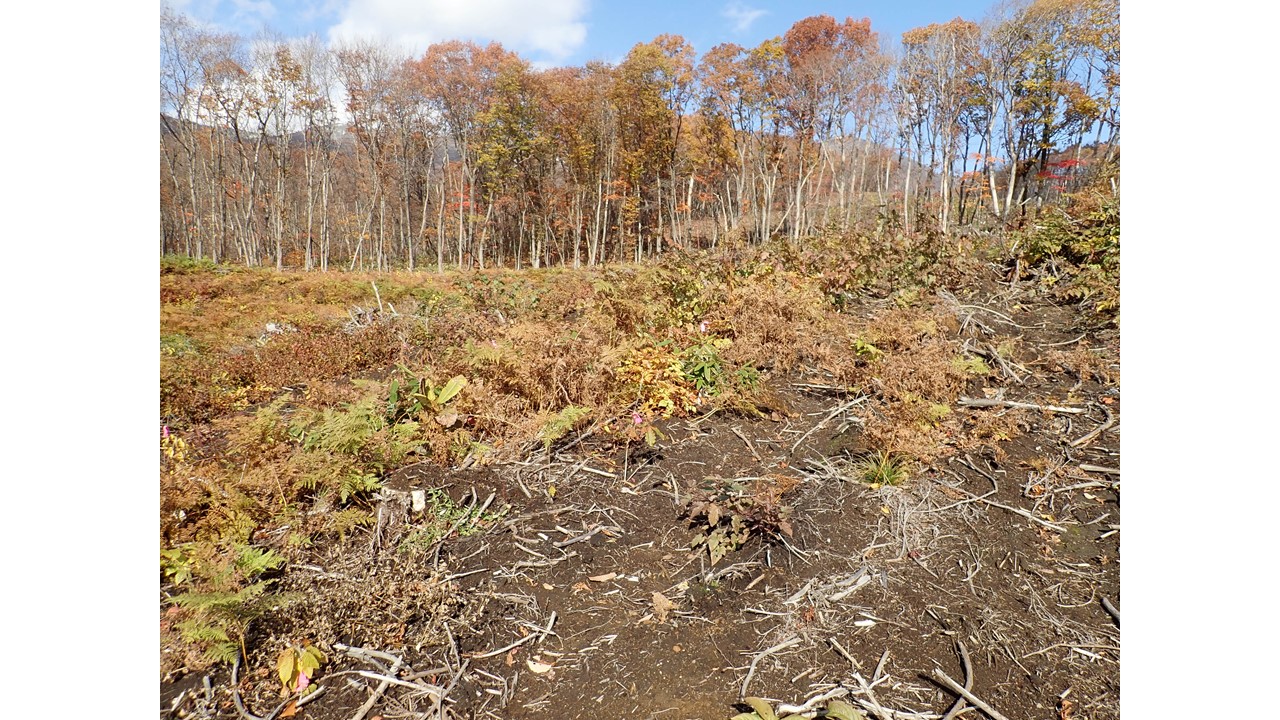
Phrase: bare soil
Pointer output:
(585, 573)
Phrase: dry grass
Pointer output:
(289, 429)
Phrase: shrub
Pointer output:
(727, 514)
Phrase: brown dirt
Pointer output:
(898, 577)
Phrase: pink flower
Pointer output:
(303, 682)
(702, 327)
(164, 431)
(637, 418)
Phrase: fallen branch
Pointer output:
(235, 695)
(543, 563)
(396, 664)
(1085, 439)
(997, 402)
(840, 649)
(884, 658)
(1017, 511)
(822, 423)
(967, 695)
(871, 702)
(754, 661)
(421, 687)
(958, 707)
(744, 439)
(812, 386)
(1100, 469)
(1114, 612)
(1067, 342)
(1073, 646)
(312, 695)
(531, 636)
(787, 709)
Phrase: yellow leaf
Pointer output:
(287, 665)
(308, 663)
(761, 706)
(314, 652)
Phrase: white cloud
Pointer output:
(741, 16)
(550, 27)
(253, 10)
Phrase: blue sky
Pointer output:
(562, 32)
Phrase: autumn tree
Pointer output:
(830, 68)
(937, 76)
(470, 151)
(457, 78)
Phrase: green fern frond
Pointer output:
(356, 483)
(199, 631)
(345, 431)
(253, 562)
(208, 601)
(561, 424)
(344, 521)
(223, 652)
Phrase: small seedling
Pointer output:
(296, 666)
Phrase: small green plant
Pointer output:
(417, 397)
(1079, 247)
(184, 264)
(346, 431)
(747, 378)
(344, 520)
(937, 412)
(970, 365)
(866, 351)
(358, 441)
(172, 447)
(177, 344)
(703, 366)
(881, 468)
(442, 514)
(907, 297)
(654, 376)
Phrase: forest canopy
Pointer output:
(300, 154)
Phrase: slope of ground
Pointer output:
(573, 579)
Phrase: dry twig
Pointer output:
(822, 423)
(1085, 439)
(964, 693)
(531, 636)
(998, 402)
(958, 707)
(769, 651)
(1111, 609)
